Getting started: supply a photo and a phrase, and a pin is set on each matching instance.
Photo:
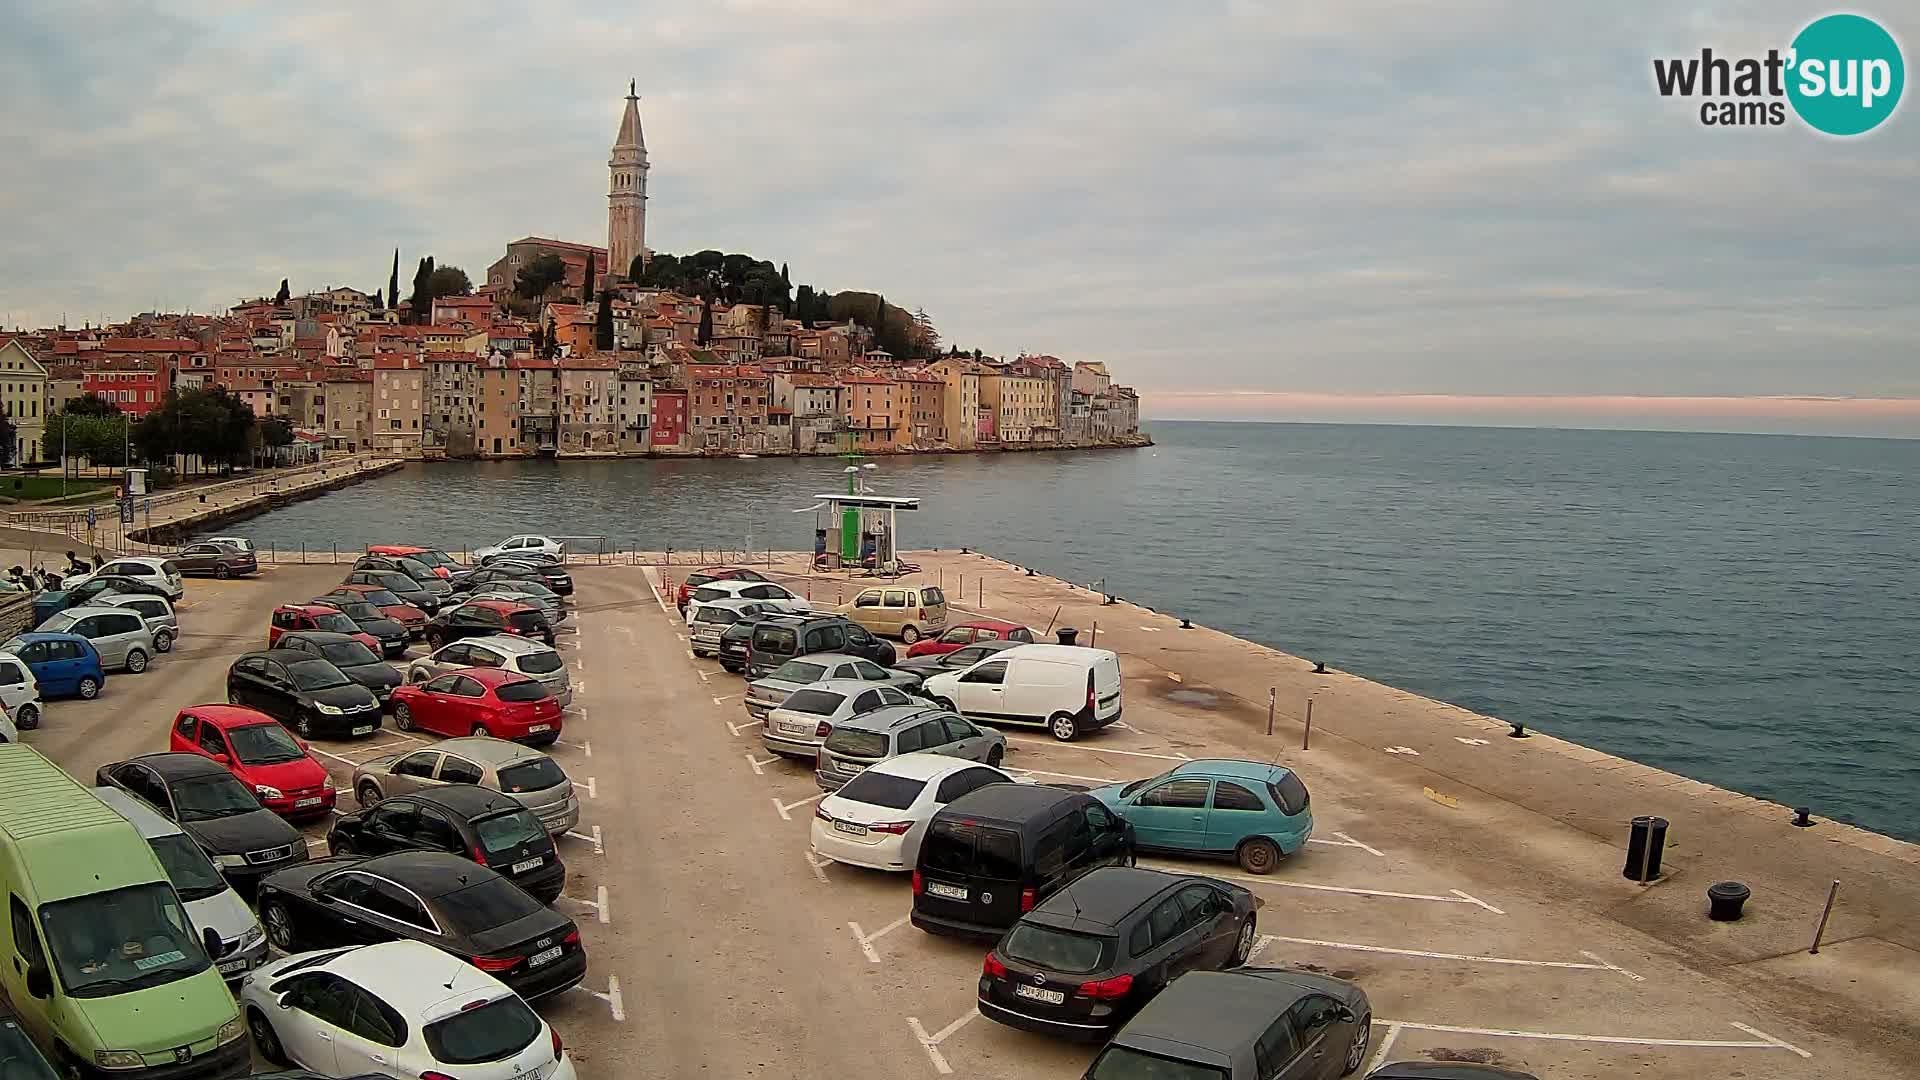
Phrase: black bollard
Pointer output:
(1319, 667)
(1186, 623)
(1725, 899)
(1519, 730)
(1646, 841)
(1803, 817)
(1066, 634)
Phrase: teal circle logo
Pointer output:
(1846, 75)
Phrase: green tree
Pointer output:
(7, 439)
(421, 302)
(706, 323)
(543, 273)
(447, 281)
(393, 283)
(603, 323)
(586, 280)
(803, 304)
(275, 432)
(281, 296)
(90, 404)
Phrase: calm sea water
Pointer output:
(1741, 609)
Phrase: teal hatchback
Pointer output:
(1250, 811)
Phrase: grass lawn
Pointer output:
(47, 485)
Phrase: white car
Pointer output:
(1070, 689)
(878, 819)
(524, 544)
(529, 658)
(766, 593)
(399, 1008)
(160, 573)
(19, 695)
(238, 543)
(8, 732)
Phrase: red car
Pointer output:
(289, 617)
(438, 561)
(712, 573)
(267, 758)
(391, 606)
(480, 701)
(966, 633)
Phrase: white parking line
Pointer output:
(704, 675)
(818, 866)
(784, 807)
(1056, 744)
(866, 940)
(735, 728)
(1766, 1041)
(931, 1043)
(599, 906)
(592, 791)
(724, 698)
(409, 738)
(756, 763)
(328, 754)
(583, 745)
(381, 746)
(1468, 958)
(1458, 897)
(611, 997)
(1371, 851)
(598, 849)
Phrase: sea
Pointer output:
(1742, 609)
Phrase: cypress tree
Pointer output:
(603, 323)
(706, 322)
(586, 288)
(393, 282)
(281, 297)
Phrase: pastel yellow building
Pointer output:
(23, 396)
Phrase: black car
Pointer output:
(991, 855)
(506, 571)
(964, 657)
(352, 657)
(412, 569)
(778, 640)
(393, 635)
(548, 567)
(494, 830)
(304, 692)
(244, 839)
(1086, 959)
(478, 618)
(408, 590)
(428, 896)
(1444, 1070)
(1244, 1024)
(737, 639)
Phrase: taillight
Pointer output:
(822, 814)
(923, 614)
(821, 731)
(479, 856)
(919, 886)
(1089, 693)
(431, 1075)
(1026, 899)
(572, 938)
(1107, 989)
(557, 1044)
(891, 828)
(495, 963)
(992, 968)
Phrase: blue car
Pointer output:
(65, 665)
(1246, 810)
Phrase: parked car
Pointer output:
(64, 665)
(878, 819)
(268, 760)
(9, 731)
(444, 566)
(237, 543)
(18, 1052)
(994, 853)
(1068, 689)
(245, 839)
(215, 560)
(408, 590)
(966, 633)
(778, 640)
(319, 618)
(503, 573)
(396, 1009)
(490, 828)
(481, 618)
(415, 570)
(712, 573)
(480, 701)
(156, 611)
(767, 692)
(531, 593)
(711, 620)
(927, 665)
(119, 636)
(407, 615)
(19, 693)
(516, 545)
(861, 741)
(54, 601)
(351, 656)
(158, 574)
(210, 901)
(551, 573)
(798, 725)
(304, 692)
(391, 634)
(1244, 1024)
(496, 764)
(529, 658)
(446, 900)
(908, 612)
(1249, 811)
(777, 597)
(736, 641)
(1085, 960)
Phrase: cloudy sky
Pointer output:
(1373, 209)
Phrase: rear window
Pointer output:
(170, 569)
(1290, 793)
(813, 702)
(348, 654)
(499, 1029)
(879, 789)
(931, 596)
(528, 620)
(524, 690)
(336, 623)
(537, 775)
(1126, 1063)
(957, 847)
(382, 598)
(503, 834)
(490, 902)
(540, 663)
(799, 671)
(859, 744)
(1057, 950)
(697, 580)
(717, 615)
(704, 595)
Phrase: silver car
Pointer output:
(768, 691)
(870, 738)
(529, 658)
(712, 620)
(156, 610)
(522, 772)
(798, 726)
(120, 636)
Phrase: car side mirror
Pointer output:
(211, 939)
(1347, 1015)
(281, 1000)
(39, 981)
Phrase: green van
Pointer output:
(98, 956)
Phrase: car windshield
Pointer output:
(1138, 784)
(813, 702)
(537, 775)
(492, 901)
(395, 580)
(416, 569)
(18, 1058)
(503, 834)
(436, 558)
(540, 663)
(264, 744)
(207, 797)
(1056, 950)
(695, 580)
(334, 622)
(498, 1029)
(524, 690)
(879, 789)
(1126, 1063)
(527, 620)
(192, 874)
(316, 675)
(957, 847)
(854, 743)
(348, 654)
(59, 624)
(382, 598)
(799, 671)
(121, 940)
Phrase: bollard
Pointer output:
(981, 583)
(1270, 693)
(1519, 730)
(1646, 841)
(1096, 634)
(1306, 737)
(1821, 930)
(1050, 622)
(1725, 899)
(1186, 623)
(1802, 817)
(1067, 634)
(1319, 667)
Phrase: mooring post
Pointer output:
(1821, 930)
(1646, 855)
(1050, 622)
(1306, 737)
(1271, 691)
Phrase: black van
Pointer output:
(992, 854)
(780, 638)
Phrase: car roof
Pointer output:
(731, 605)
(394, 549)
(307, 609)
(48, 635)
(504, 607)
(410, 974)
(1258, 771)
(429, 873)
(1069, 654)
(719, 570)
(1104, 898)
(849, 687)
(493, 676)
(988, 624)
(829, 658)
(1220, 1011)
(1013, 803)
(506, 643)
(488, 751)
(91, 609)
(922, 765)
(178, 766)
(114, 598)
(318, 637)
(288, 656)
(888, 717)
(230, 716)
(142, 560)
(466, 800)
(146, 821)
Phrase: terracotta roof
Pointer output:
(815, 381)
(560, 244)
(867, 380)
(588, 363)
(119, 363)
(395, 363)
(441, 357)
(149, 345)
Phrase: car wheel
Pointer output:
(996, 755)
(403, 718)
(1244, 947)
(222, 573)
(163, 642)
(369, 794)
(89, 687)
(1357, 1051)
(945, 703)
(735, 668)
(909, 634)
(342, 846)
(137, 661)
(279, 924)
(28, 718)
(304, 726)
(265, 1039)
(1063, 726)
(480, 732)
(1258, 855)
(434, 641)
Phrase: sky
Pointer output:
(1478, 211)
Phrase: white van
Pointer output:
(1068, 688)
(211, 903)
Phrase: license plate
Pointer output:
(363, 729)
(529, 864)
(531, 729)
(228, 967)
(543, 957)
(850, 828)
(951, 892)
(1035, 993)
(301, 804)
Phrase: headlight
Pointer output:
(231, 1030)
(251, 936)
(266, 792)
(229, 860)
(327, 784)
(118, 1059)
(326, 709)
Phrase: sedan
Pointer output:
(530, 593)
(410, 1016)
(482, 618)
(414, 619)
(1088, 957)
(519, 545)
(291, 617)
(216, 560)
(966, 656)
(392, 634)
(801, 723)
(304, 692)
(766, 693)
(501, 573)
(352, 657)
(491, 828)
(1226, 1025)
(244, 838)
(480, 702)
(408, 590)
(463, 909)
(879, 818)
(862, 741)
(509, 768)
(275, 766)
(967, 633)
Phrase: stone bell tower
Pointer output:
(627, 192)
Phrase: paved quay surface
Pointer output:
(1496, 928)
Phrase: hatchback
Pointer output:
(156, 573)
(908, 612)
(480, 701)
(878, 819)
(684, 593)
(521, 772)
(19, 692)
(865, 740)
(415, 570)
(277, 767)
(501, 573)
(157, 611)
(798, 725)
(926, 666)
(65, 665)
(530, 658)
(414, 619)
(492, 829)
(967, 633)
(46, 604)
(244, 838)
(120, 636)
(1244, 1024)
(1086, 959)
(736, 641)
(397, 1009)
(779, 639)
(443, 565)
(531, 593)
(391, 635)
(216, 560)
(766, 593)
(408, 590)
(479, 618)
(767, 692)
(1245, 810)
(350, 655)
(304, 692)
(710, 621)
